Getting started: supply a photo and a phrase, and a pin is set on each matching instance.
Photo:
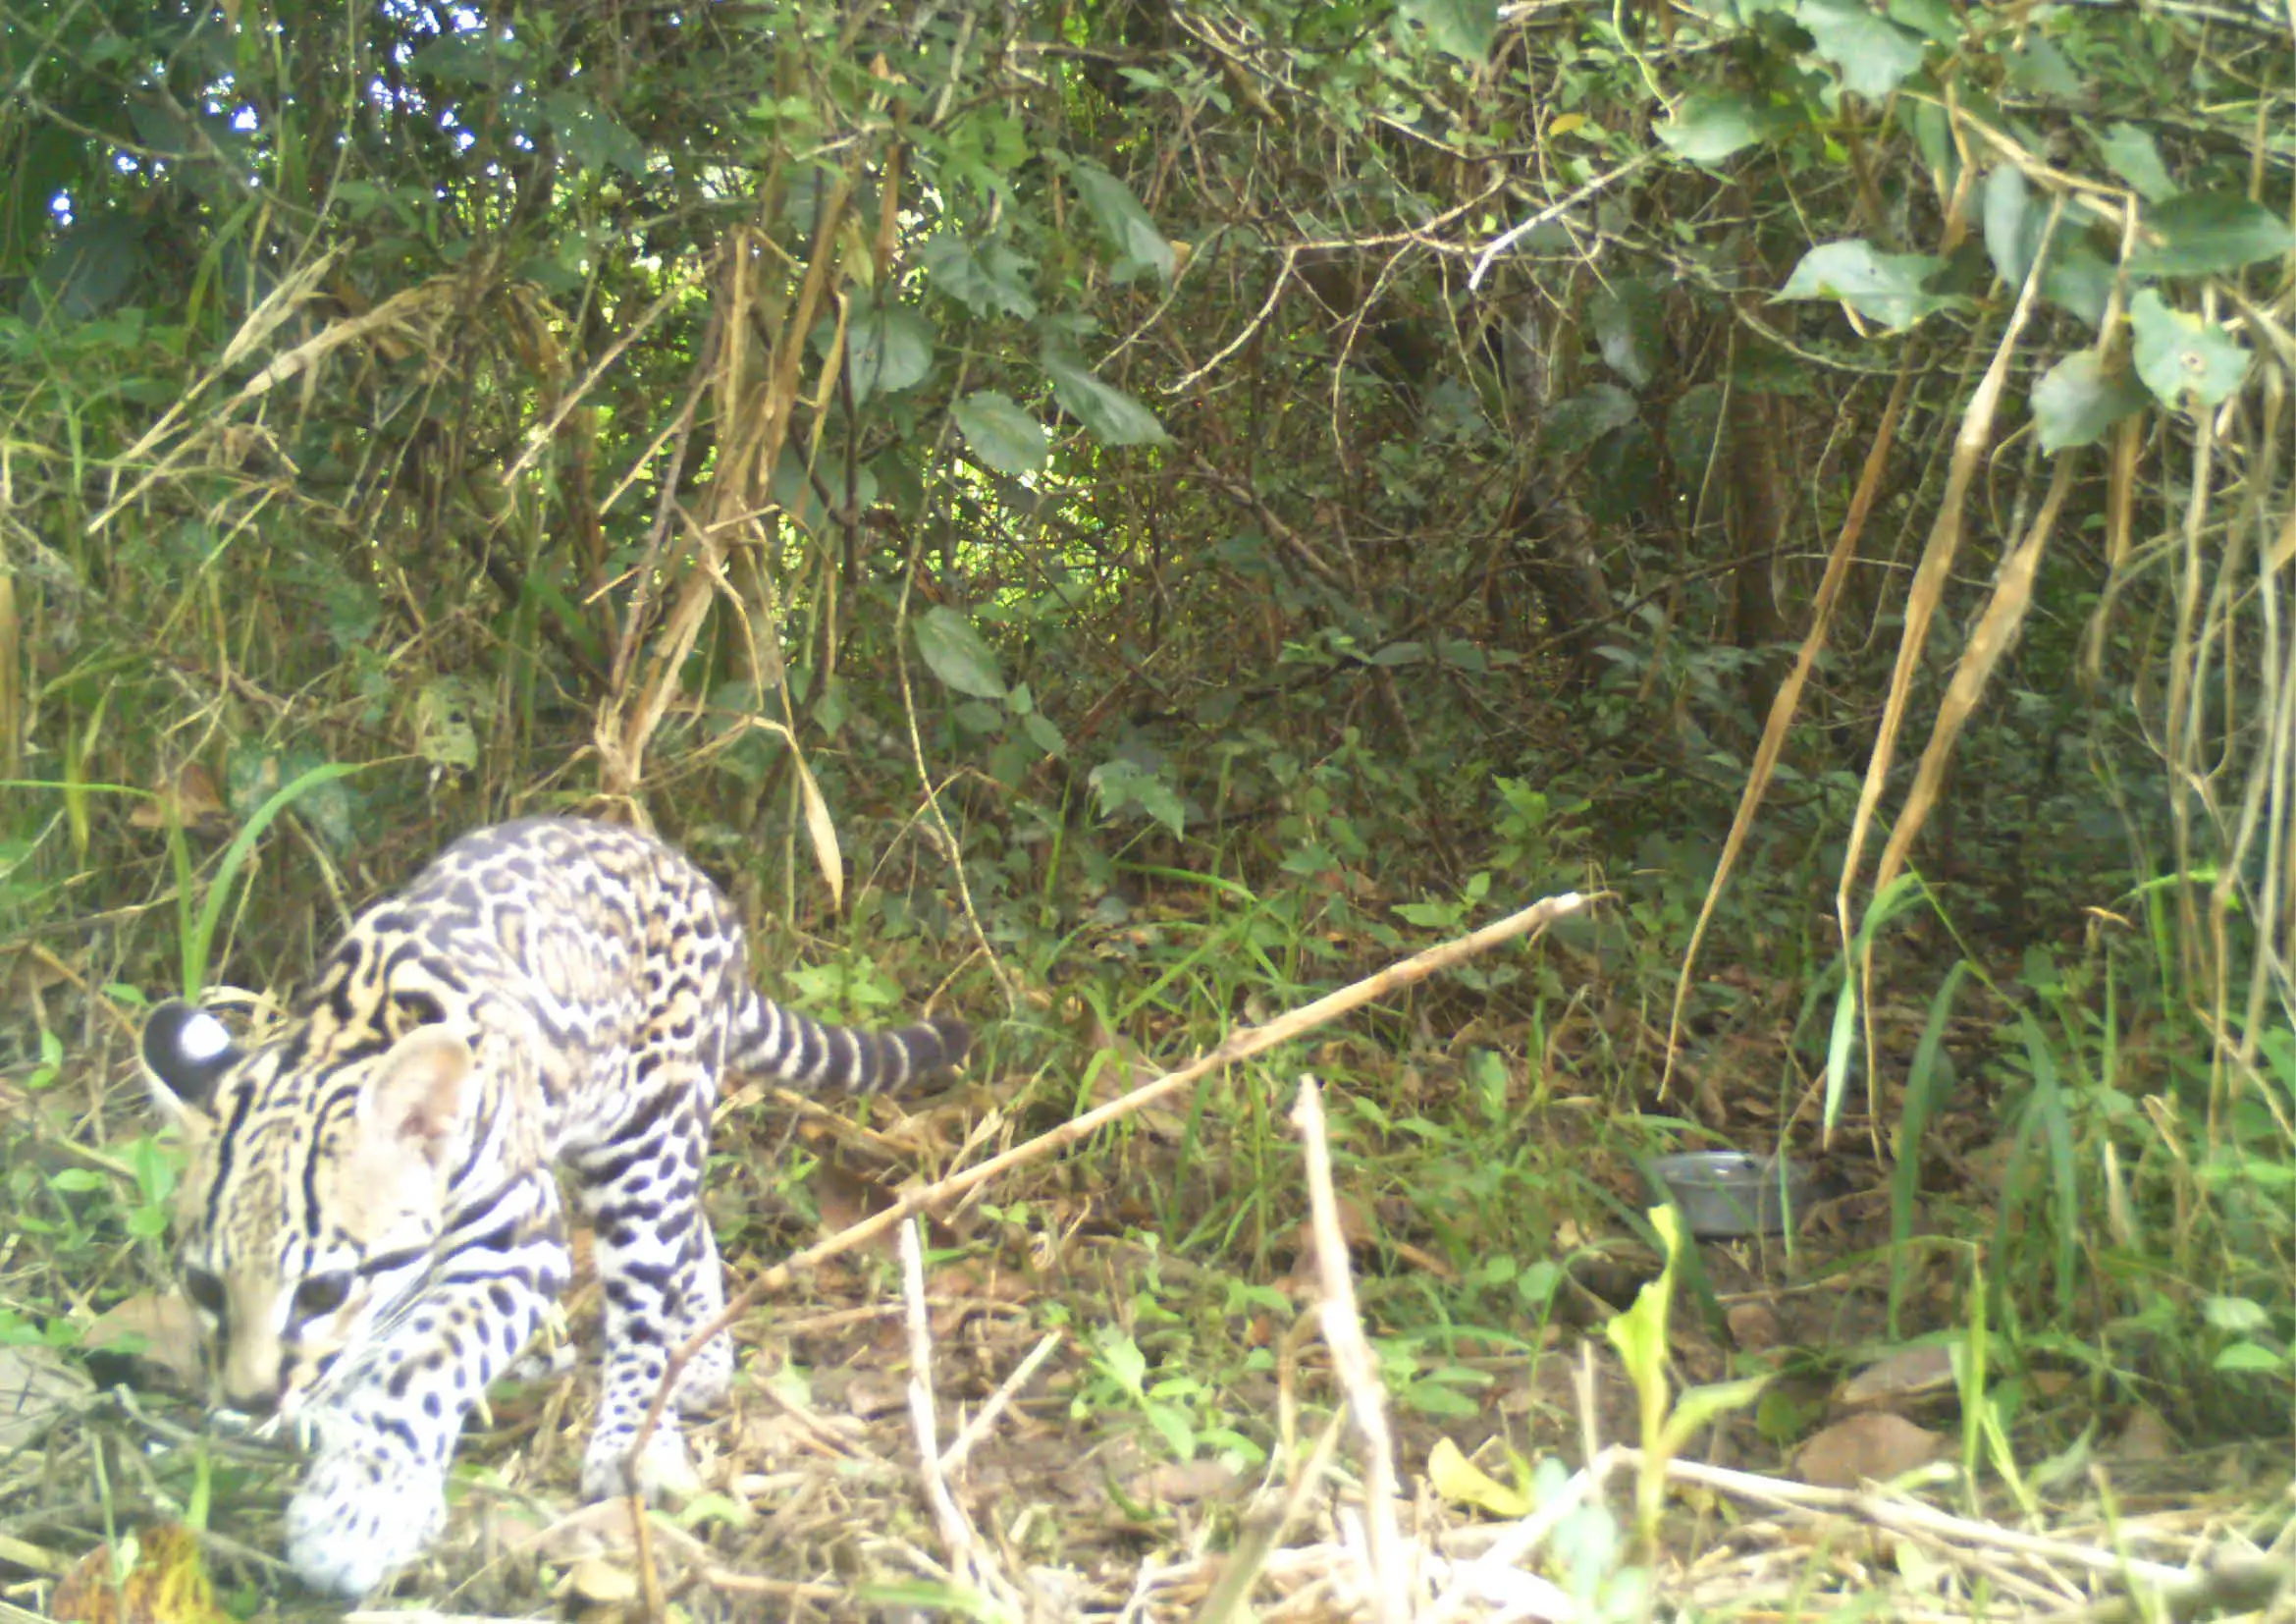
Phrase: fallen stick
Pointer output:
(1241, 1046)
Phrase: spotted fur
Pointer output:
(371, 1228)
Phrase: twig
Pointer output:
(952, 1459)
(1352, 1363)
(1251, 1040)
(967, 1557)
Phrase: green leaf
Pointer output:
(1630, 328)
(1462, 28)
(2178, 354)
(1578, 422)
(1043, 734)
(1140, 246)
(2129, 149)
(591, 136)
(1122, 782)
(201, 936)
(1112, 416)
(890, 348)
(1875, 55)
(1881, 287)
(444, 735)
(2078, 281)
(2251, 1356)
(1001, 434)
(1710, 125)
(2205, 233)
(956, 654)
(984, 279)
(2077, 400)
(2012, 225)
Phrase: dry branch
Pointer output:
(1253, 1040)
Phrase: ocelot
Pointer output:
(371, 1227)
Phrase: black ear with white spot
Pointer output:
(186, 1050)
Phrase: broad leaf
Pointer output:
(889, 348)
(1881, 287)
(1111, 415)
(2205, 233)
(2012, 225)
(1571, 425)
(1462, 28)
(1140, 246)
(1710, 125)
(2077, 400)
(1001, 434)
(1630, 328)
(591, 136)
(1875, 55)
(2078, 281)
(956, 654)
(2129, 149)
(1123, 782)
(2179, 354)
(984, 277)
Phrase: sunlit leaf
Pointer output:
(1882, 286)
(2178, 353)
(2205, 233)
(2012, 225)
(986, 278)
(1874, 54)
(1112, 416)
(956, 654)
(1711, 125)
(2130, 150)
(1463, 1483)
(890, 347)
(1140, 246)
(1462, 28)
(591, 136)
(2077, 400)
(1001, 434)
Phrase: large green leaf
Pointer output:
(1881, 287)
(591, 136)
(890, 348)
(2129, 149)
(1875, 55)
(1463, 28)
(2206, 233)
(986, 278)
(1631, 327)
(1111, 415)
(955, 653)
(2012, 225)
(1140, 246)
(1711, 125)
(1000, 432)
(2077, 400)
(2179, 354)
(1574, 424)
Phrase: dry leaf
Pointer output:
(2144, 1436)
(1872, 1447)
(166, 1327)
(167, 1584)
(1905, 1374)
(1463, 1483)
(1754, 1327)
(185, 800)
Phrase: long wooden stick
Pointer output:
(1243, 1045)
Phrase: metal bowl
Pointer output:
(1727, 1194)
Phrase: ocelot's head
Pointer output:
(315, 1192)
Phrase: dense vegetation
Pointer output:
(1150, 512)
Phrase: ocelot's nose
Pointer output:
(256, 1402)
(250, 1380)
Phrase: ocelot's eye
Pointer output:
(204, 1290)
(321, 1294)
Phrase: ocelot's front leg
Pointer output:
(374, 1493)
(659, 1270)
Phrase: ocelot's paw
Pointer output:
(663, 1468)
(703, 1385)
(355, 1521)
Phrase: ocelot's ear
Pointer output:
(416, 1094)
(186, 1050)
